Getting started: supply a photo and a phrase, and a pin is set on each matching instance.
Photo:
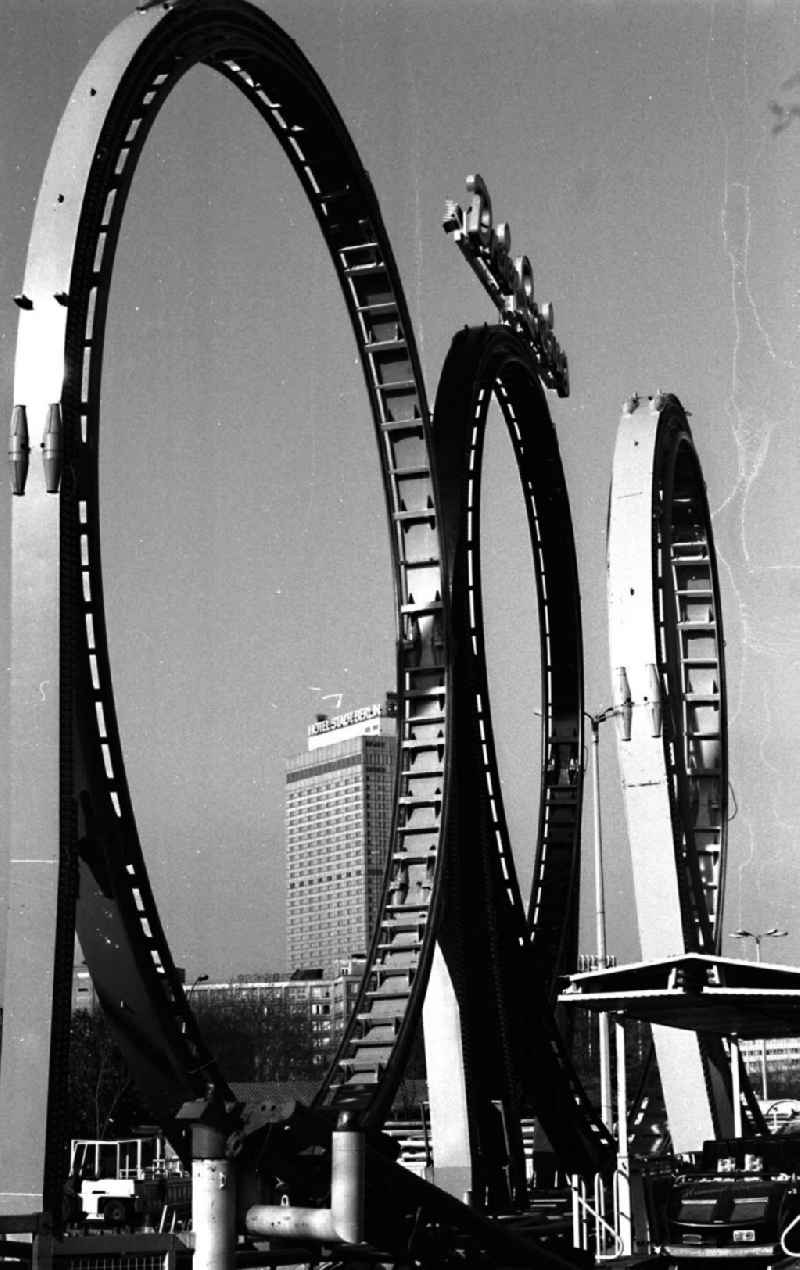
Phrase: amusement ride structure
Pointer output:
(455, 945)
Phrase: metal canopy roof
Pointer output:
(697, 992)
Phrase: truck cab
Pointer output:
(736, 1201)
(129, 1181)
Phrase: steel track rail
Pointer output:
(692, 653)
(499, 366)
(62, 325)
(667, 660)
(504, 959)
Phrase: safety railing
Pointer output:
(601, 1215)
(789, 1252)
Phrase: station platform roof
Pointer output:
(695, 991)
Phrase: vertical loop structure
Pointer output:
(504, 962)
(667, 654)
(484, 362)
(58, 375)
(667, 664)
(691, 657)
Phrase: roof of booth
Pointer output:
(696, 991)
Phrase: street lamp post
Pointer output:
(603, 1039)
(757, 936)
(199, 979)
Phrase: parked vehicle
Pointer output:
(737, 1202)
(133, 1182)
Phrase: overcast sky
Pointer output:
(647, 157)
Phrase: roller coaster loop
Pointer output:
(63, 308)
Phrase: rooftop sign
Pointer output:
(348, 719)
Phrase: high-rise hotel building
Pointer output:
(339, 803)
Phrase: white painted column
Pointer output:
(213, 1201)
(645, 779)
(447, 1086)
(736, 1087)
(33, 838)
(623, 1183)
(348, 1158)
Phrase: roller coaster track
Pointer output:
(667, 661)
(500, 957)
(450, 880)
(64, 303)
(482, 363)
(57, 387)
